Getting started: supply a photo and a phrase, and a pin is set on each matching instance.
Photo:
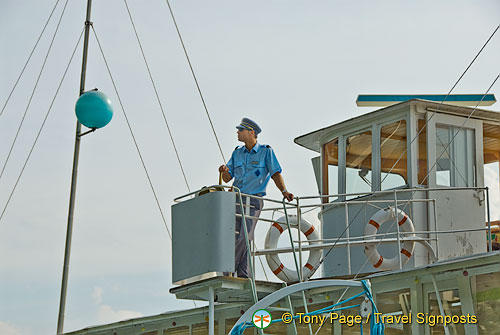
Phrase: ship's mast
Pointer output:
(69, 232)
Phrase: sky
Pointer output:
(292, 66)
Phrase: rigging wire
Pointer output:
(442, 102)
(133, 138)
(459, 129)
(157, 95)
(413, 193)
(131, 132)
(41, 127)
(416, 136)
(29, 58)
(195, 80)
(34, 90)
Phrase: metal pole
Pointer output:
(211, 313)
(438, 297)
(435, 227)
(348, 236)
(490, 242)
(247, 242)
(306, 310)
(69, 231)
(299, 219)
(397, 228)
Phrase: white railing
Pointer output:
(320, 203)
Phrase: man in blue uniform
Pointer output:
(252, 166)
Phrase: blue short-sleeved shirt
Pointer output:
(252, 169)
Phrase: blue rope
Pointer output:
(314, 313)
(376, 328)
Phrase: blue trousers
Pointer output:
(241, 252)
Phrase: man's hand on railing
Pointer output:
(224, 173)
(287, 195)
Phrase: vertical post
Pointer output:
(247, 242)
(397, 227)
(293, 326)
(221, 325)
(467, 302)
(211, 319)
(69, 231)
(306, 310)
(254, 248)
(438, 297)
(348, 235)
(435, 228)
(299, 230)
(490, 242)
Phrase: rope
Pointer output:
(377, 328)
(132, 133)
(41, 127)
(34, 89)
(29, 57)
(157, 96)
(195, 80)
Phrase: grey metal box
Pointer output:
(203, 235)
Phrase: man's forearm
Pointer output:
(279, 181)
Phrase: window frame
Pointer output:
(433, 119)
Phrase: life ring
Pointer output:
(371, 252)
(274, 262)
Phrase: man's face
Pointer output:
(244, 134)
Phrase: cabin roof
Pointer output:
(312, 140)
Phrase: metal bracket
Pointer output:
(87, 132)
(365, 309)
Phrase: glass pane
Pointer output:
(395, 307)
(443, 156)
(455, 156)
(359, 163)
(393, 155)
(486, 296)
(422, 152)
(491, 180)
(451, 306)
(330, 167)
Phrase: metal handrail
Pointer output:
(355, 240)
(343, 244)
(399, 190)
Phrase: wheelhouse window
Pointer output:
(393, 155)
(422, 152)
(330, 168)
(491, 158)
(455, 156)
(358, 149)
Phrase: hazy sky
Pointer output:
(292, 66)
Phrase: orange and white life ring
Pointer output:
(273, 260)
(371, 229)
